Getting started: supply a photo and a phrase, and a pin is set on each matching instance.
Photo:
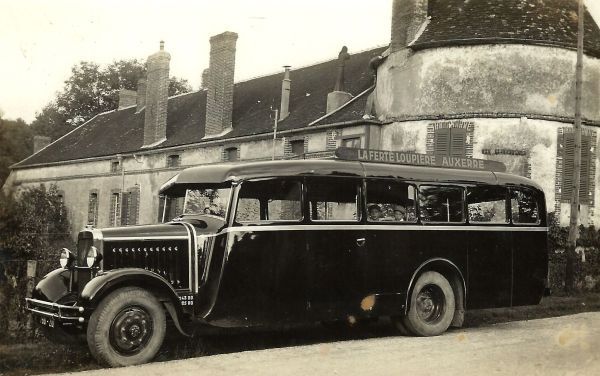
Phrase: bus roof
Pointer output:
(229, 172)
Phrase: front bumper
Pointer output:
(58, 312)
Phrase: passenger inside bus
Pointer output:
(374, 212)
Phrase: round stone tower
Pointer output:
(494, 79)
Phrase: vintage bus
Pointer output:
(271, 243)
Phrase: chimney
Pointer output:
(204, 83)
(286, 85)
(338, 97)
(219, 98)
(157, 96)
(40, 142)
(407, 18)
(127, 98)
(141, 95)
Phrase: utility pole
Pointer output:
(573, 228)
(275, 132)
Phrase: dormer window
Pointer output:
(173, 160)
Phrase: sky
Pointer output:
(41, 40)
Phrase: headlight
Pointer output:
(66, 258)
(92, 257)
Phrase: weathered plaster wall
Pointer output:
(491, 79)
(533, 141)
(317, 142)
(537, 138)
(408, 136)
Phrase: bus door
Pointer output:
(336, 243)
(490, 248)
(392, 251)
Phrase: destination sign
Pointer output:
(415, 159)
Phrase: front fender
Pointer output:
(53, 286)
(105, 282)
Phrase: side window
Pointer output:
(523, 205)
(441, 204)
(487, 204)
(334, 199)
(389, 200)
(270, 200)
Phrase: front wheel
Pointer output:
(127, 328)
(432, 305)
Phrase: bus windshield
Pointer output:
(197, 201)
(206, 201)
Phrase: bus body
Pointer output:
(271, 243)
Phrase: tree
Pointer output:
(16, 143)
(34, 224)
(91, 90)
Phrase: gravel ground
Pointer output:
(552, 346)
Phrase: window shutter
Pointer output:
(442, 141)
(133, 206)
(93, 209)
(161, 208)
(584, 188)
(125, 209)
(569, 165)
(458, 142)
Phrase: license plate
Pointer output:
(47, 321)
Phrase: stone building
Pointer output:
(109, 170)
(487, 79)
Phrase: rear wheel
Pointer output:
(127, 328)
(432, 305)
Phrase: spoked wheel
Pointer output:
(432, 305)
(127, 328)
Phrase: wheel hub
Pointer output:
(430, 304)
(130, 330)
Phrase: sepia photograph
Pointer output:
(279, 187)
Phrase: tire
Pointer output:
(432, 305)
(127, 328)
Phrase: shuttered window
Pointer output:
(130, 209)
(450, 142)
(568, 154)
(93, 209)
(114, 209)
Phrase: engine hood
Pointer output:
(165, 230)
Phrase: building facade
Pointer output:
(490, 80)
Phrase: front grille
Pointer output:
(168, 259)
(83, 245)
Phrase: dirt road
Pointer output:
(563, 345)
